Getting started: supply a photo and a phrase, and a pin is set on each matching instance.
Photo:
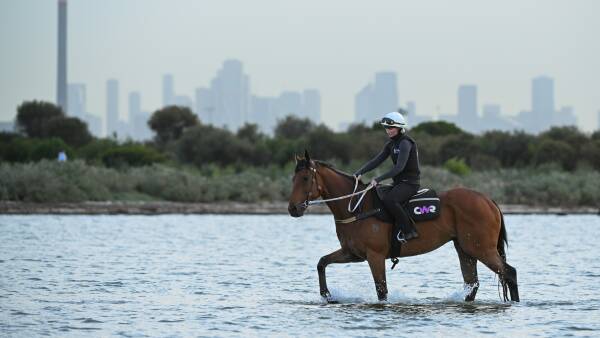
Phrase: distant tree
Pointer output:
(591, 153)
(92, 152)
(438, 128)
(325, 144)
(595, 135)
(569, 134)
(169, 123)
(33, 116)
(293, 127)
(202, 145)
(250, 132)
(70, 129)
(463, 146)
(551, 151)
(511, 149)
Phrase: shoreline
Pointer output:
(224, 208)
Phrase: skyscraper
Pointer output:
(112, 107)
(231, 90)
(467, 116)
(139, 120)
(377, 99)
(61, 76)
(363, 105)
(542, 102)
(311, 105)
(467, 102)
(168, 90)
(385, 93)
(204, 105)
(76, 100)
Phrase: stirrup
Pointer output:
(400, 237)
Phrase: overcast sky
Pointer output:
(335, 46)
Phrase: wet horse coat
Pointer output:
(471, 220)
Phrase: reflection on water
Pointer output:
(183, 275)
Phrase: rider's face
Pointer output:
(391, 132)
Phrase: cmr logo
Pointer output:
(424, 210)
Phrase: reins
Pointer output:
(351, 209)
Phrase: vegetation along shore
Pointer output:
(197, 168)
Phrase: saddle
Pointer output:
(425, 205)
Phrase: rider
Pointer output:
(405, 173)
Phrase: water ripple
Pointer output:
(190, 275)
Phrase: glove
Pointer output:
(373, 182)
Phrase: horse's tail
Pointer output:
(502, 239)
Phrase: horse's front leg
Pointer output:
(338, 256)
(377, 265)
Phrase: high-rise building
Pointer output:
(61, 75)
(112, 107)
(168, 90)
(385, 93)
(467, 102)
(205, 106)
(138, 119)
(542, 102)
(467, 116)
(377, 99)
(231, 90)
(363, 105)
(311, 105)
(262, 112)
(76, 100)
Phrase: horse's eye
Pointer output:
(305, 178)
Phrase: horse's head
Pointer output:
(305, 186)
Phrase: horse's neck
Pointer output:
(336, 185)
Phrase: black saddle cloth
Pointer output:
(423, 206)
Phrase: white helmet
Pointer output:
(393, 119)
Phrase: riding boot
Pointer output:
(405, 224)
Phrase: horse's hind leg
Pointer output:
(468, 266)
(506, 273)
(510, 278)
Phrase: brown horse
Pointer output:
(471, 220)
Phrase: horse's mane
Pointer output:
(338, 171)
(303, 164)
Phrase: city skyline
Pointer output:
(431, 51)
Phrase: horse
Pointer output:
(472, 221)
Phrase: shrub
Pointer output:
(132, 155)
(457, 166)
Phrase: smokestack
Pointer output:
(61, 76)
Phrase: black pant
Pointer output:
(393, 201)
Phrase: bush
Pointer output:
(457, 166)
(133, 155)
(49, 149)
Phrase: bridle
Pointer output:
(351, 209)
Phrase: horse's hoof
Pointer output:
(327, 297)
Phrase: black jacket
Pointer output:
(405, 156)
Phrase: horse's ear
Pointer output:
(306, 156)
(296, 158)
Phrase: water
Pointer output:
(181, 275)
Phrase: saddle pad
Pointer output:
(424, 206)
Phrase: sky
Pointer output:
(335, 46)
